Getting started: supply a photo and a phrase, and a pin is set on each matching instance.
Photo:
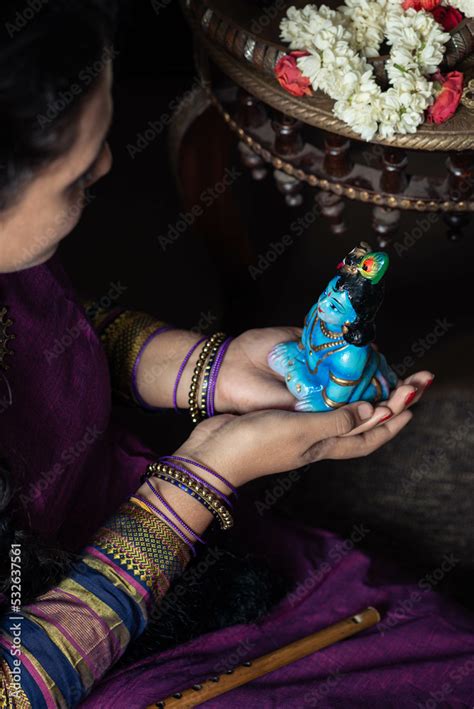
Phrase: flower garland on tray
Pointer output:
(331, 49)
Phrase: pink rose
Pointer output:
(290, 76)
(448, 98)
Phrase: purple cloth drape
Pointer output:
(421, 655)
(76, 466)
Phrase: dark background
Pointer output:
(118, 241)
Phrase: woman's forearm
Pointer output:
(159, 365)
(55, 649)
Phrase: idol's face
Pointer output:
(50, 205)
(334, 307)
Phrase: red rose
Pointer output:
(448, 99)
(415, 4)
(427, 5)
(290, 76)
(449, 17)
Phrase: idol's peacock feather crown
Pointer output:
(369, 264)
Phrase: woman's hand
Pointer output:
(243, 448)
(246, 383)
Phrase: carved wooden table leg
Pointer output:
(251, 113)
(287, 143)
(332, 207)
(461, 188)
(393, 180)
(337, 157)
(337, 163)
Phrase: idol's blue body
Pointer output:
(324, 371)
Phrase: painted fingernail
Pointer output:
(410, 397)
(365, 411)
(386, 418)
(429, 383)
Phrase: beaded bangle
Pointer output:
(197, 490)
(174, 513)
(194, 409)
(189, 461)
(207, 375)
(181, 370)
(218, 511)
(210, 410)
(222, 496)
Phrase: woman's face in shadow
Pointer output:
(51, 203)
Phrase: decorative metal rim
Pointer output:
(339, 188)
(316, 110)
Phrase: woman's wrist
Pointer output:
(187, 495)
(189, 509)
(167, 368)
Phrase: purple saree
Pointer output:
(76, 468)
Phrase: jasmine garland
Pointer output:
(337, 45)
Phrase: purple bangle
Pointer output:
(136, 395)
(181, 370)
(168, 521)
(174, 513)
(165, 458)
(213, 376)
(182, 469)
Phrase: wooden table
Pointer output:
(300, 140)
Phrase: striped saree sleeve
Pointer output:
(55, 649)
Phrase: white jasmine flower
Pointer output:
(340, 41)
(465, 6)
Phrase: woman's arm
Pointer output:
(55, 649)
(245, 383)
(70, 636)
(143, 367)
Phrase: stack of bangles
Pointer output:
(204, 380)
(172, 470)
(126, 336)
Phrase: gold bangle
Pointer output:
(196, 489)
(193, 399)
(123, 339)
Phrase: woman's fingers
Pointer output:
(399, 399)
(405, 395)
(319, 428)
(381, 414)
(421, 381)
(368, 442)
(274, 395)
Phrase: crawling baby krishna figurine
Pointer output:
(335, 362)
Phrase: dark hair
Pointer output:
(366, 298)
(51, 52)
(46, 48)
(43, 563)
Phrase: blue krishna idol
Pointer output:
(336, 362)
